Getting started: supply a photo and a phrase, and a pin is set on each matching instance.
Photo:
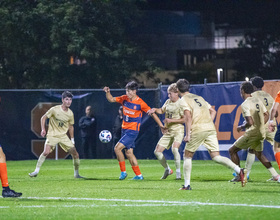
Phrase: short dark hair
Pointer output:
(183, 85)
(257, 81)
(247, 87)
(67, 94)
(132, 85)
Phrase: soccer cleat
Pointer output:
(10, 193)
(235, 174)
(276, 178)
(123, 176)
(137, 178)
(178, 176)
(166, 174)
(186, 188)
(243, 177)
(79, 177)
(235, 179)
(33, 174)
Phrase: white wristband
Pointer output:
(73, 141)
(271, 121)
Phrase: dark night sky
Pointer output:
(239, 13)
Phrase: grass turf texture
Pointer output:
(55, 194)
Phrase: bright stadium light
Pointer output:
(247, 78)
(219, 73)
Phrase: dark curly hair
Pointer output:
(247, 87)
(257, 81)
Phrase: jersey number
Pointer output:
(199, 104)
(266, 102)
(258, 107)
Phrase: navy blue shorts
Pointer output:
(277, 135)
(128, 138)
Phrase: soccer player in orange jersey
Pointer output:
(7, 192)
(133, 108)
(272, 125)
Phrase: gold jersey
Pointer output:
(254, 107)
(199, 109)
(172, 110)
(59, 120)
(266, 99)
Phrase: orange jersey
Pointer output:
(277, 99)
(132, 112)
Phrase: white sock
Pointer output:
(249, 162)
(40, 162)
(187, 169)
(161, 159)
(177, 158)
(76, 163)
(226, 162)
(272, 171)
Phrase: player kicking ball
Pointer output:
(200, 130)
(174, 119)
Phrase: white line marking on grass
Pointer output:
(134, 203)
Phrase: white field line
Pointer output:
(133, 203)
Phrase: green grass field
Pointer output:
(55, 194)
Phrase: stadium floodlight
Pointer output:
(219, 73)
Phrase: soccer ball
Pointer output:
(105, 136)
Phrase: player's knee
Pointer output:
(217, 158)
(232, 150)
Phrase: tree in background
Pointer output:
(38, 38)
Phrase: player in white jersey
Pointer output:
(200, 130)
(268, 101)
(174, 119)
(256, 116)
(61, 121)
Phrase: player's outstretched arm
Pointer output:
(155, 110)
(109, 97)
(158, 121)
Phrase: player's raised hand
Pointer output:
(106, 89)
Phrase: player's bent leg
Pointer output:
(41, 160)
(134, 164)
(233, 155)
(158, 153)
(76, 162)
(267, 165)
(228, 163)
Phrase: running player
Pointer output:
(174, 119)
(7, 192)
(267, 100)
(200, 130)
(256, 116)
(272, 125)
(133, 108)
(61, 121)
